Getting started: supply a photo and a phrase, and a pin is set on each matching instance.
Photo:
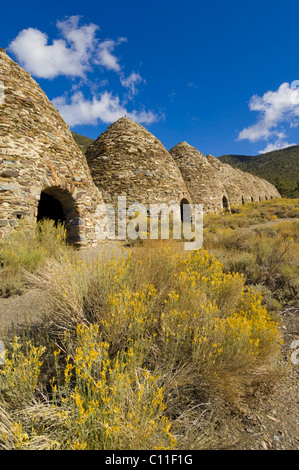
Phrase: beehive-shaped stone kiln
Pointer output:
(43, 173)
(127, 160)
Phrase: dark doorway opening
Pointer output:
(59, 205)
(251, 199)
(225, 203)
(186, 216)
(50, 208)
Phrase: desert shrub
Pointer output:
(131, 350)
(19, 376)
(176, 305)
(97, 402)
(109, 403)
(137, 337)
(252, 213)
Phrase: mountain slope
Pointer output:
(279, 167)
(81, 141)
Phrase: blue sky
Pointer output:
(217, 74)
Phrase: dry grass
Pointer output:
(252, 213)
(26, 251)
(266, 256)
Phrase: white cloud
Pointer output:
(192, 85)
(77, 51)
(130, 82)
(82, 39)
(70, 56)
(278, 144)
(81, 111)
(275, 108)
(105, 56)
(73, 54)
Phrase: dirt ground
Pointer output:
(271, 421)
(266, 423)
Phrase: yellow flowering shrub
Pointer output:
(20, 372)
(221, 326)
(112, 403)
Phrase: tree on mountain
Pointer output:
(283, 186)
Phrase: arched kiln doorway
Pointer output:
(58, 204)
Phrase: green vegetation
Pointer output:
(280, 167)
(82, 142)
(152, 347)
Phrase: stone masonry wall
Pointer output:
(202, 181)
(37, 152)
